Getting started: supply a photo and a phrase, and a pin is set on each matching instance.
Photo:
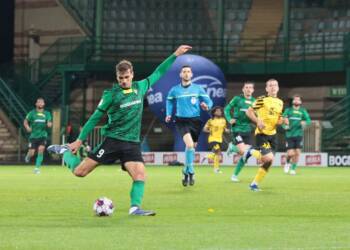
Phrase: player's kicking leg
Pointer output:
(107, 152)
(75, 165)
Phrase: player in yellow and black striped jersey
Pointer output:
(266, 113)
(216, 126)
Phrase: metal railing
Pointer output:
(83, 11)
(14, 106)
(153, 48)
(338, 117)
(95, 137)
(313, 137)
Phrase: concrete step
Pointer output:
(8, 141)
(4, 133)
(8, 157)
(3, 130)
(8, 147)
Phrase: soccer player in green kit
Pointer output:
(37, 123)
(296, 118)
(240, 125)
(123, 105)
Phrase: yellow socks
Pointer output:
(259, 176)
(216, 161)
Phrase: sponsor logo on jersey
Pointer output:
(40, 120)
(193, 100)
(295, 118)
(128, 104)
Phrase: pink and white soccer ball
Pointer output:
(103, 207)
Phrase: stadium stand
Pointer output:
(242, 37)
(317, 23)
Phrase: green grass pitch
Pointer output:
(53, 210)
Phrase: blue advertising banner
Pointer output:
(206, 74)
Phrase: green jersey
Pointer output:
(38, 123)
(295, 116)
(240, 105)
(124, 107)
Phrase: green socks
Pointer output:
(136, 193)
(39, 160)
(71, 160)
(233, 148)
(294, 166)
(239, 166)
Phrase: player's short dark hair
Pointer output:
(40, 98)
(249, 82)
(123, 66)
(213, 110)
(296, 95)
(186, 66)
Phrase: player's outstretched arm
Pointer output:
(182, 49)
(166, 64)
(26, 125)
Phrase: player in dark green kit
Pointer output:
(296, 118)
(240, 124)
(123, 105)
(37, 123)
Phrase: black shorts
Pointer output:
(294, 142)
(215, 146)
(34, 143)
(189, 125)
(245, 138)
(266, 143)
(111, 150)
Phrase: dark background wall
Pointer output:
(7, 10)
